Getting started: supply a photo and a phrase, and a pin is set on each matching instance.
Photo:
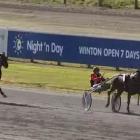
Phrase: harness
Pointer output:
(124, 77)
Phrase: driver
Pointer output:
(96, 77)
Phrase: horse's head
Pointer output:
(4, 60)
(135, 77)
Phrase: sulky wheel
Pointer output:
(87, 100)
(116, 102)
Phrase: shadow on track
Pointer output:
(23, 105)
(131, 113)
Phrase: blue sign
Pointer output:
(75, 49)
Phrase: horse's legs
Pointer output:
(138, 103)
(128, 102)
(2, 93)
(109, 93)
(108, 99)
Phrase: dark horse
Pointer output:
(129, 83)
(3, 63)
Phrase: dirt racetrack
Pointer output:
(38, 115)
(106, 23)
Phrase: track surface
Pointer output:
(35, 115)
(106, 23)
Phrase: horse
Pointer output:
(130, 83)
(3, 63)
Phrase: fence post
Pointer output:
(59, 63)
(100, 3)
(136, 4)
(117, 68)
(88, 66)
(32, 60)
(65, 2)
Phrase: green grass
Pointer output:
(50, 76)
(118, 3)
(106, 3)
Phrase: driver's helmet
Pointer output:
(96, 69)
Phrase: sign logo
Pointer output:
(18, 42)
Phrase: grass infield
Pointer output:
(90, 3)
(52, 76)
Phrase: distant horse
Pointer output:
(3, 63)
(129, 83)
